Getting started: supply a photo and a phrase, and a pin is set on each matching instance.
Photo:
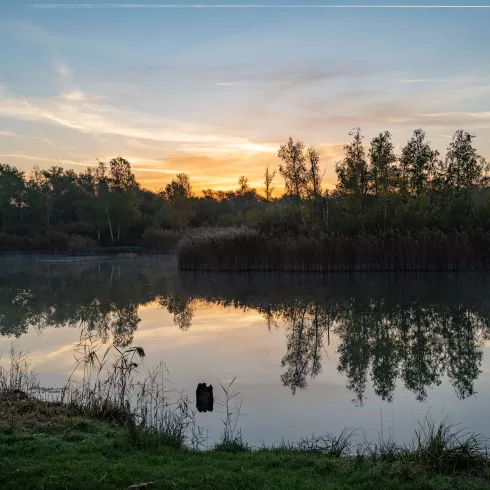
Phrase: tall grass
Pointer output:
(243, 249)
(104, 385)
(231, 437)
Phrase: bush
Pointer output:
(81, 245)
(13, 243)
(161, 241)
(54, 241)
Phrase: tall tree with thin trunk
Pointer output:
(418, 162)
(382, 159)
(293, 168)
(268, 183)
(179, 194)
(464, 166)
(314, 179)
(352, 170)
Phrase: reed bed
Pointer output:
(243, 249)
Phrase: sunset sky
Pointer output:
(213, 92)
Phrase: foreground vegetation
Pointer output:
(77, 452)
(109, 432)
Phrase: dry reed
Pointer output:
(243, 249)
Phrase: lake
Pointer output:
(311, 354)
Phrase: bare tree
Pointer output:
(243, 186)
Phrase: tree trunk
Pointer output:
(326, 210)
(385, 217)
(110, 224)
(47, 216)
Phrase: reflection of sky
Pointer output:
(224, 343)
(213, 92)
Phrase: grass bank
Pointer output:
(106, 431)
(55, 448)
(243, 249)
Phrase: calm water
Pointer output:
(310, 354)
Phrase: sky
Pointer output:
(214, 92)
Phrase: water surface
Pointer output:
(311, 354)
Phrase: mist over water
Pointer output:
(311, 353)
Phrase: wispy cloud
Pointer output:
(80, 96)
(421, 80)
(99, 119)
(8, 134)
(469, 118)
(414, 80)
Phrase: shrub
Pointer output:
(161, 241)
(81, 245)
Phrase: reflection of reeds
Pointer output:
(242, 249)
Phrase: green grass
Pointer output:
(72, 452)
(90, 439)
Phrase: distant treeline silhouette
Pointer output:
(417, 198)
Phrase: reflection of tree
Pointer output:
(417, 344)
(306, 327)
(354, 351)
(389, 331)
(298, 355)
(385, 357)
(124, 323)
(463, 353)
(96, 296)
(180, 307)
(423, 350)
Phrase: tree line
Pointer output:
(377, 189)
